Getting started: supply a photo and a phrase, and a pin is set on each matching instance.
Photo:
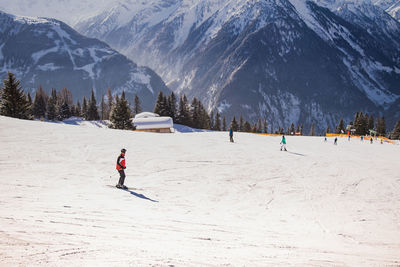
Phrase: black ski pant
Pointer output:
(121, 177)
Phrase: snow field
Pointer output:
(198, 200)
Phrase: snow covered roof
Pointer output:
(143, 123)
(146, 115)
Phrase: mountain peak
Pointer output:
(57, 57)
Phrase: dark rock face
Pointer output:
(287, 61)
(47, 52)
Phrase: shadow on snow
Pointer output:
(298, 154)
(139, 195)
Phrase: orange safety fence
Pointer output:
(268, 134)
(385, 139)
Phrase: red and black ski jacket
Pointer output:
(121, 162)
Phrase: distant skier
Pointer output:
(371, 140)
(362, 138)
(348, 138)
(120, 168)
(231, 134)
(283, 143)
(325, 140)
(335, 141)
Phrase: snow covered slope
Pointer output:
(287, 61)
(47, 52)
(197, 199)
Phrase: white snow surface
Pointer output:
(195, 199)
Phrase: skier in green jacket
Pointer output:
(283, 143)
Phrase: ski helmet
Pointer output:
(123, 150)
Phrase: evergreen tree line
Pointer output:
(194, 115)
(363, 123)
(59, 106)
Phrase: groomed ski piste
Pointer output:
(195, 199)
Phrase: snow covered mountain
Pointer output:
(68, 11)
(391, 6)
(288, 61)
(47, 52)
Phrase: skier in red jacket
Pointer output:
(120, 168)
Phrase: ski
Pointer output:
(127, 188)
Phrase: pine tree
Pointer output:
(217, 125)
(64, 104)
(30, 104)
(365, 124)
(103, 108)
(312, 131)
(78, 109)
(381, 126)
(254, 128)
(194, 113)
(64, 111)
(259, 126)
(73, 110)
(92, 112)
(292, 131)
(120, 114)
(224, 124)
(265, 130)
(234, 125)
(301, 129)
(52, 105)
(40, 103)
(65, 95)
(165, 110)
(340, 127)
(184, 113)
(371, 125)
(361, 123)
(241, 124)
(110, 103)
(205, 120)
(246, 127)
(13, 100)
(159, 108)
(328, 129)
(396, 131)
(84, 108)
(137, 106)
(212, 122)
(29, 99)
(172, 106)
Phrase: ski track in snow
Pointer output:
(214, 202)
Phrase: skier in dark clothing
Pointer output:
(231, 134)
(335, 141)
(120, 168)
